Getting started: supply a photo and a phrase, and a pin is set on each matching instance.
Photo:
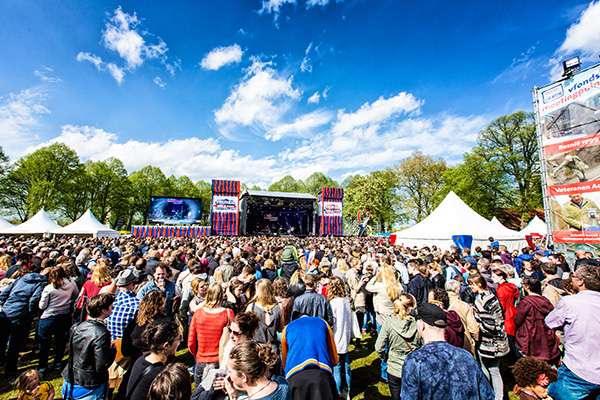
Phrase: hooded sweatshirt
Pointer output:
(402, 339)
(507, 295)
(533, 337)
(455, 331)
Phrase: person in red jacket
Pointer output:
(507, 293)
(534, 338)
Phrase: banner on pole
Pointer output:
(568, 124)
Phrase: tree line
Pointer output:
(500, 172)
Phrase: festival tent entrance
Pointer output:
(536, 225)
(87, 224)
(454, 217)
(4, 224)
(39, 224)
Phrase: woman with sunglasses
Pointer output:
(242, 329)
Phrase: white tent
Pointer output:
(536, 225)
(4, 224)
(454, 217)
(40, 223)
(87, 224)
(497, 221)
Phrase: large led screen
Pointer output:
(173, 211)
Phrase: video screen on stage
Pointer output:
(175, 210)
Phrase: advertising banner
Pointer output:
(332, 208)
(568, 121)
(225, 203)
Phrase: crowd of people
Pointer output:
(276, 318)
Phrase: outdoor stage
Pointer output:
(277, 213)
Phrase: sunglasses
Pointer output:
(235, 332)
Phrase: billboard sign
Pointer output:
(332, 208)
(568, 122)
(225, 203)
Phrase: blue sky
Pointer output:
(256, 90)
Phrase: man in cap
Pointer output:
(439, 370)
(125, 306)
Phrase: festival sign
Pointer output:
(568, 126)
(225, 203)
(332, 208)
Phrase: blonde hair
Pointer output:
(100, 275)
(434, 266)
(270, 265)
(336, 288)
(265, 295)
(214, 296)
(403, 305)
(342, 265)
(296, 277)
(5, 262)
(23, 380)
(218, 276)
(392, 288)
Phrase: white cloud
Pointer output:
(174, 66)
(315, 98)
(116, 72)
(301, 127)
(259, 101)
(306, 66)
(94, 59)
(159, 82)
(314, 3)
(222, 56)
(379, 111)
(194, 157)
(20, 119)
(45, 75)
(582, 39)
(274, 7)
(584, 35)
(121, 35)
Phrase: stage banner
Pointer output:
(225, 207)
(331, 211)
(170, 231)
(568, 127)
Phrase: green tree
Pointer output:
(148, 181)
(418, 178)
(375, 193)
(42, 179)
(4, 164)
(316, 181)
(509, 144)
(478, 183)
(288, 184)
(205, 193)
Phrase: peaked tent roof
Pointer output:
(4, 224)
(536, 225)
(87, 224)
(454, 217)
(38, 224)
(497, 221)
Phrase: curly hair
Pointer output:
(280, 287)
(336, 288)
(252, 359)
(528, 370)
(248, 322)
(151, 307)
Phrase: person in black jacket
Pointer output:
(90, 353)
(312, 303)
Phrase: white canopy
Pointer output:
(454, 217)
(497, 221)
(87, 224)
(4, 224)
(536, 225)
(40, 223)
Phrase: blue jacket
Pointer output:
(519, 260)
(21, 298)
(169, 292)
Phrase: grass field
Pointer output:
(365, 374)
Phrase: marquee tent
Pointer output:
(4, 224)
(536, 225)
(40, 223)
(87, 224)
(497, 221)
(454, 217)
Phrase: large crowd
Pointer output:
(275, 318)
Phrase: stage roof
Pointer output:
(281, 195)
